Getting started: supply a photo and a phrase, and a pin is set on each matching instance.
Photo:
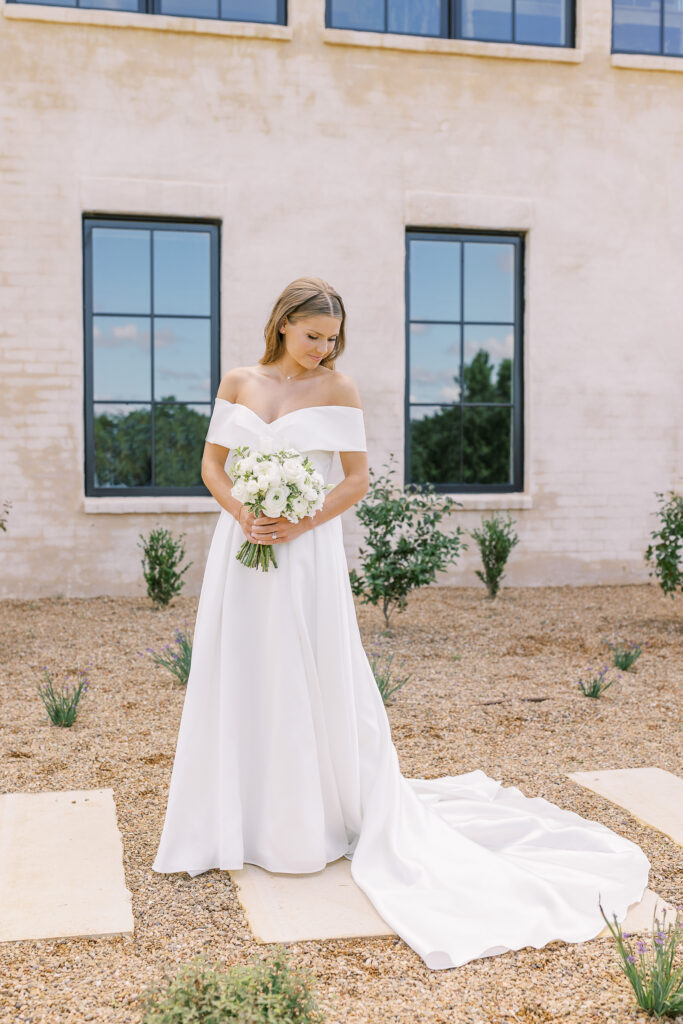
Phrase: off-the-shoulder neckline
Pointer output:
(268, 423)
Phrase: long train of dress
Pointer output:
(285, 758)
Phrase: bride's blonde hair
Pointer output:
(302, 298)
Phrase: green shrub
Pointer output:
(162, 554)
(266, 991)
(667, 549)
(4, 513)
(406, 549)
(495, 541)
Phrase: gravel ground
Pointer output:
(463, 651)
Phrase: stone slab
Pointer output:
(61, 866)
(324, 904)
(328, 904)
(652, 795)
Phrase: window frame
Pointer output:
(98, 220)
(451, 20)
(518, 238)
(661, 52)
(154, 7)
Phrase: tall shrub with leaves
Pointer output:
(667, 549)
(495, 540)
(405, 549)
(162, 555)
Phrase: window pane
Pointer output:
(123, 445)
(673, 27)
(541, 22)
(637, 25)
(182, 360)
(417, 17)
(434, 280)
(191, 8)
(489, 281)
(435, 444)
(487, 19)
(121, 358)
(121, 270)
(179, 434)
(182, 279)
(249, 10)
(112, 5)
(488, 363)
(358, 14)
(487, 446)
(434, 363)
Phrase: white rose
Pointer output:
(252, 486)
(300, 507)
(275, 500)
(293, 472)
(317, 477)
(273, 471)
(239, 491)
(249, 462)
(310, 494)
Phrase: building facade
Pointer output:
(493, 186)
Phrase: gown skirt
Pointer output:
(285, 759)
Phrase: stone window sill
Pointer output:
(646, 62)
(134, 505)
(460, 47)
(490, 501)
(156, 22)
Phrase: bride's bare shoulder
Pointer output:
(343, 390)
(231, 382)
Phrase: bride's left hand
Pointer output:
(264, 527)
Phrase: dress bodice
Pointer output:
(315, 430)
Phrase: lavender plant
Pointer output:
(596, 685)
(625, 654)
(382, 675)
(179, 659)
(62, 704)
(265, 991)
(657, 984)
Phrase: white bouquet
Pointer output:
(274, 482)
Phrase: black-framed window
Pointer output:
(536, 22)
(647, 26)
(269, 11)
(151, 332)
(463, 397)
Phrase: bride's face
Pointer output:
(310, 340)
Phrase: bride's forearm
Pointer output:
(347, 492)
(220, 485)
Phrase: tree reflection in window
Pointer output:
(463, 326)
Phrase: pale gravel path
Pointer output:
(529, 642)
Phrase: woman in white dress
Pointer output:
(284, 756)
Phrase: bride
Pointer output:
(284, 756)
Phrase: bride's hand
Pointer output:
(262, 528)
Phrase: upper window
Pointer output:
(151, 353)
(463, 361)
(272, 11)
(648, 26)
(539, 22)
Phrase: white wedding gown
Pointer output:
(285, 758)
